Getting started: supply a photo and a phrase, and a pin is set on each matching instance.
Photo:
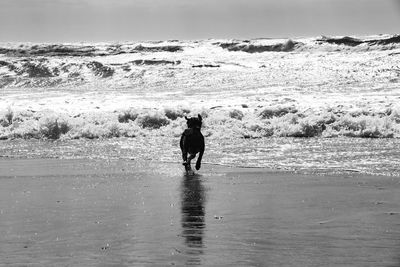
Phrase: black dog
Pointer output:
(192, 142)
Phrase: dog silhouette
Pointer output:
(192, 142)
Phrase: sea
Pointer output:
(319, 105)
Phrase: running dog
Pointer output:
(192, 142)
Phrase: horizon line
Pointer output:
(209, 38)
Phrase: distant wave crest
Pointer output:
(351, 41)
(74, 65)
(256, 46)
(248, 47)
(77, 50)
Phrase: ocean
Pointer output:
(311, 105)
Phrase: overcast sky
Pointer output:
(125, 20)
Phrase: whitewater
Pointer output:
(312, 105)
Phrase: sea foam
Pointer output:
(274, 121)
(326, 102)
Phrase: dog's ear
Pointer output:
(186, 118)
(199, 116)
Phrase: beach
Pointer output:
(300, 169)
(83, 212)
(295, 104)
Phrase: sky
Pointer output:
(133, 20)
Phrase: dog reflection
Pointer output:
(193, 212)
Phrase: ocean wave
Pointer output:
(206, 66)
(351, 41)
(346, 40)
(248, 47)
(152, 49)
(100, 69)
(152, 62)
(51, 65)
(27, 50)
(33, 69)
(311, 44)
(44, 72)
(219, 123)
(386, 41)
(82, 50)
(49, 50)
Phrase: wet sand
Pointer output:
(127, 213)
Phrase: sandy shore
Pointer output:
(127, 213)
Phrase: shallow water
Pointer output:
(127, 213)
(301, 155)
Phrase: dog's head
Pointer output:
(194, 122)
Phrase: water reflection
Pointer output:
(193, 211)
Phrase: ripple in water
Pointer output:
(305, 155)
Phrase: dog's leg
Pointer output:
(184, 157)
(184, 151)
(202, 148)
(191, 156)
(198, 162)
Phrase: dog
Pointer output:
(192, 142)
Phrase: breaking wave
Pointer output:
(82, 50)
(351, 41)
(57, 65)
(274, 121)
(46, 73)
(260, 46)
(248, 47)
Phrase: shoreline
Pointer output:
(63, 165)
